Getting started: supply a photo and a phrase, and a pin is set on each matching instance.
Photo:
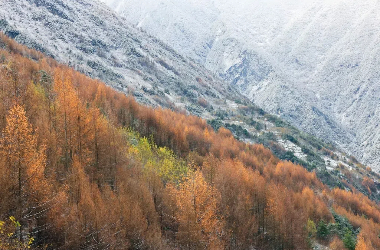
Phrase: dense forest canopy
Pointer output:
(83, 166)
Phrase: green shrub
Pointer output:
(290, 138)
(349, 240)
(323, 231)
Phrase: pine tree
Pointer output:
(349, 240)
(322, 230)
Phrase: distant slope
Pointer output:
(90, 37)
(315, 63)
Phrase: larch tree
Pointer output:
(70, 119)
(362, 243)
(336, 244)
(197, 215)
(25, 164)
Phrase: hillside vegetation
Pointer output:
(82, 166)
(136, 63)
(314, 63)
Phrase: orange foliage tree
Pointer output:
(74, 183)
(200, 224)
(24, 165)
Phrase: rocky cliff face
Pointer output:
(315, 63)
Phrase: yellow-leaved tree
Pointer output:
(362, 243)
(24, 164)
(200, 225)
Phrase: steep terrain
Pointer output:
(90, 37)
(82, 166)
(135, 63)
(314, 63)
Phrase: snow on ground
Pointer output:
(290, 146)
(322, 58)
(92, 38)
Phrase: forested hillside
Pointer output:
(85, 167)
(312, 62)
(133, 62)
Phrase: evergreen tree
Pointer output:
(349, 240)
(322, 230)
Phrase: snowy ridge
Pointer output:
(314, 62)
(90, 37)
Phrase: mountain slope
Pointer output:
(323, 54)
(94, 40)
(86, 176)
(135, 63)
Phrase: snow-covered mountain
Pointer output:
(314, 62)
(93, 39)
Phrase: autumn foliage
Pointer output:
(86, 167)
